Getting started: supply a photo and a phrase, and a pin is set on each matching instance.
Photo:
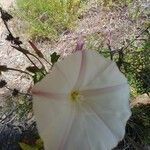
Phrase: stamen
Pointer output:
(76, 96)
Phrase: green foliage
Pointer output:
(54, 58)
(37, 146)
(141, 119)
(134, 13)
(27, 147)
(24, 107)
(48, 18)
(137, 130)
(137, 66)
(39, 75)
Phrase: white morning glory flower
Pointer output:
(82, 104)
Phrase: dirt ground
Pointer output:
(6, 4)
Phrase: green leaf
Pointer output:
(38, 76)
(27, 147)
(54, 58)
(39, 143)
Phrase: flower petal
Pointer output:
(89, 132)
(93, 65)
(99, 72)
(77, 138)
(99, 91)
(86, 123)
(113, 108)
(81, 74)
(98, 132)
(63, 76)
(70, 68)
(54, 119)
(49, 95)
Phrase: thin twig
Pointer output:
(25, 94)
(13, 69)
(11, 34)
(142, 32)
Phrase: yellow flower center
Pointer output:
(76, 96)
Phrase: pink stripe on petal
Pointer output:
(67, 132)
(109, 66)
(57, 96)
(101, 119)
(62, 73)
(81, 71)
(94, 92)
